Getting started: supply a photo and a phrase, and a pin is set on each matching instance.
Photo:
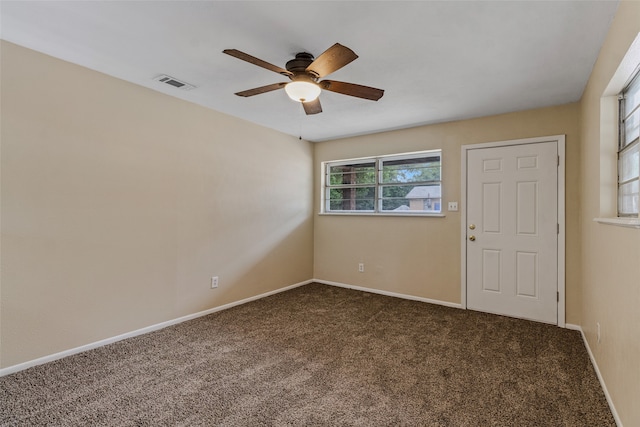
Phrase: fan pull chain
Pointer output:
(300, 118)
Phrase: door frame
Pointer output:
(560, 140)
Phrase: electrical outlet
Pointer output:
(361, 267)
(598, 333)
(214, 282)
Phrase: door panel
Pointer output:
(491, 270)
(527, 274)
(512, 217)
(491, 205)
(527, 208)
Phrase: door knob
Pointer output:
(472, 226)
(472, 238)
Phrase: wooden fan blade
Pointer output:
(332, 59)
(261, 89)
(256, 61)
(352, 89)
(312, 107)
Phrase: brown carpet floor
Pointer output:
(321, 356)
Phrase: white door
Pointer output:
(512, 230)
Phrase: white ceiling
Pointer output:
(436, 61)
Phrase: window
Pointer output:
(629, 149)
(397, 184)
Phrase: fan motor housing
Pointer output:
(300, 63)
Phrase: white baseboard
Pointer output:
(50, 358)
(389, 294)
(595, 367)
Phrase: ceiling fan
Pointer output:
(305, 73)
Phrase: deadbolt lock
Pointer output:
(472, 226)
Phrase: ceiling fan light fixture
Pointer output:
(305, 73)
(302, 91)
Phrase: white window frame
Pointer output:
(623, 146)
(378, 184)
(608, 214)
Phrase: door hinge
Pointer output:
(558, 229)
(558, 296)
(558, 160)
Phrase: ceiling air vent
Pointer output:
(163, 78)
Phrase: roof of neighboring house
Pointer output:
(424, 192)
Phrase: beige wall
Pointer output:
(119, 203)
(611, 255)
(420, 256)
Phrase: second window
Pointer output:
(398, 184)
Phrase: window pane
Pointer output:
(411, 170)
(411, 198)
(352, 199)
(632, 95)
(628, 198)
(629, 163)
(631, 128)
(400, 182)
(629, 155)
(358, 173)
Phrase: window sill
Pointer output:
(403, 215)
(620, 222)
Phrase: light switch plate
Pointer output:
(453, 206)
